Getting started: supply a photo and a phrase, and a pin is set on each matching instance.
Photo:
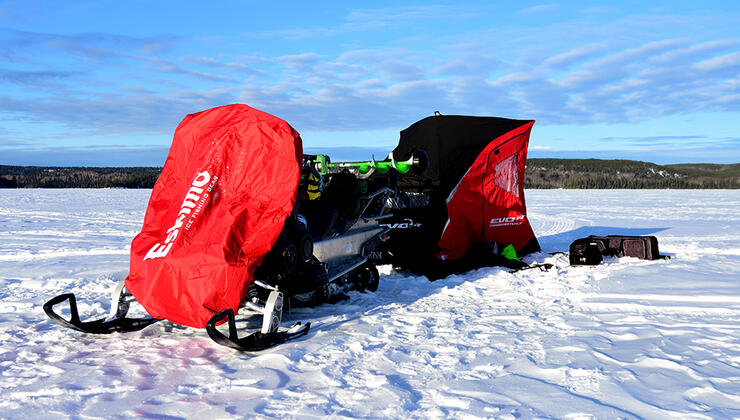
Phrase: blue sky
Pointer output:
(106, 82)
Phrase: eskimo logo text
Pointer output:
(193, 198)
(507, 221)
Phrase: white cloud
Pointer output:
(597, 10)
(694, 51)
(575, 55)
(722, 62)
(467, 65)
(541, 8)
(379, 19)
(607, 74)
(230, 66)
(372, 19)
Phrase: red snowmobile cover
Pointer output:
(226, 189)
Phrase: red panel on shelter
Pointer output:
(488, 203)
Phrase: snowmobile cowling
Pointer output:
(228, 185)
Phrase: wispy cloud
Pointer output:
(399, 18)
(8, 141)
(367, 89)
(617, 65)
(597, 10)
(33, 77)
(93, 46)
(575, 55)
(110, 83)
(102, 114)
(696, 52)
(668, 142)
(541, 8)
(724, 62)
(467, 65)
(170, 67)
(230, 66)
(652, 139)
(372, 19)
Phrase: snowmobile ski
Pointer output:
(268, 336)
(253, 342)
(98, 326)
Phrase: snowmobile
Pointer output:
(302, 245)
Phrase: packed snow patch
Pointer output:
(628, 338)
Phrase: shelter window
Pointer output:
(506, 175)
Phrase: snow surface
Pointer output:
(628, 338)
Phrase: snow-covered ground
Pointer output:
(628, 338)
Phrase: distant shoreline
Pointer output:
(540, 174)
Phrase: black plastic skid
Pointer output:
(98, 326)
(253, 342)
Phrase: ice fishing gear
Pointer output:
(312, 184)
(591, 250)
(415, 161)
(227, 230)
(642, 247)
(541, 267)
(509, 259)
(470, 194)
(585, 251)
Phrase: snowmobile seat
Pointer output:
(337, 208)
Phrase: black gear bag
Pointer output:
(589, 251)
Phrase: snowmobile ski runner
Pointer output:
(115, 322)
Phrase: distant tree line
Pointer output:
(77, 177)
(540, 173)
(627, 174)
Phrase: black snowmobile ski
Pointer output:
(253, 342)
(115, 322)
(269, 335)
